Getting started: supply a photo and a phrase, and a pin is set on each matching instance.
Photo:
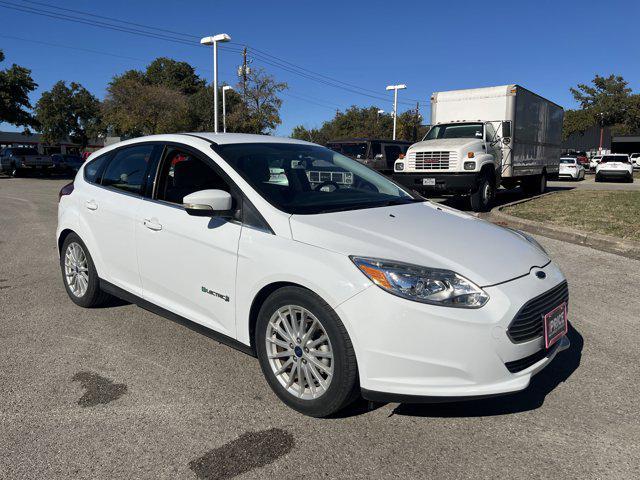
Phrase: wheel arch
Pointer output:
(258, 301)
(62, 237)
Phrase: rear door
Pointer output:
(109, 208)
(187, 263)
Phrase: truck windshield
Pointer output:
(309, 179)
(354, 150)
(455, 130)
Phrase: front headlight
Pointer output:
(422, 284)
(529, 239)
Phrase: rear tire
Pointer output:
(79, 273)
(535, 185)
(482, 199)
(287, 360)
(14, 172)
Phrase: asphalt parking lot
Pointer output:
(120, 392)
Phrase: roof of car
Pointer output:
(227, 138)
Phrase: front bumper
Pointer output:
(462, 182)
(410, 351)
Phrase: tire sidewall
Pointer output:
(88, 299)
(344, 379)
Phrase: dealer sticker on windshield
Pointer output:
(555, 324)
(429, 181)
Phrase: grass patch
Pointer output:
(615, 213)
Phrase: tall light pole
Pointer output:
(395, 89)
(224, 107)
(214, 40)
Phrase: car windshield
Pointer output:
(25, 151)
(570, 161)
(635, 155)
(456, 130)
(350, 149)
(308, 179)
(614, 158)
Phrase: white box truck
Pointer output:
(482, 138)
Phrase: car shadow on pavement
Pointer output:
(558, 371)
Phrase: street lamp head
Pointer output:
(226, 88)
(221, 37)
(402, 86)
(380, 112)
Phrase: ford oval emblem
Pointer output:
(541, 275)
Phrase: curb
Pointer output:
(606, 243)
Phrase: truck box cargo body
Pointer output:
(483, 138)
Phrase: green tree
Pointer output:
(68, 112)
(174, 75)
(133, 108)
(15, 85)
(201, 110)
(607, 101)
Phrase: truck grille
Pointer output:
(528, 323)
(432, 160)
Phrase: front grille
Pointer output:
(528, 323)
(432, 160)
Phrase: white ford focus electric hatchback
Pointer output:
(341, 282)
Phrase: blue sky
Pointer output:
(546, 46)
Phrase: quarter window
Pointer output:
(93, 168)
(127, 168)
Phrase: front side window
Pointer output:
(455, 130)
(25, 151)
(127, 169)
(181, 173)
(308, 179)
(353, 150)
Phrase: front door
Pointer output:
(187, 263)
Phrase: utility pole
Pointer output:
(416, 122)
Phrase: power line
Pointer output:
(112, 19)
(260, 55)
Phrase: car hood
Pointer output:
(444, 143)
(424, 234)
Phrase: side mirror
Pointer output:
(379, 156)
(208, 203)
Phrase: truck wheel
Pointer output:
(14, 172)
(482, 199)
(535, 185)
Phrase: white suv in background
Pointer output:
(635, 160)
(570, 168)
(615, 166)
(340, 281)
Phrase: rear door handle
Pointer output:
(152, 224)
(91, 205)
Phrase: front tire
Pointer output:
(482, 199)
(305, 352)
(79, 273)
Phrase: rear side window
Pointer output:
(127, 168)
(93, 168)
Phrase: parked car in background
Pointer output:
(15, 161)
(635, 160)
(595, 160)
(66, 163)
(614, 165)
(375, 153)
(359, 289)
(570, 168)
(483, 138)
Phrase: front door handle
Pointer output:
(91, 205)
(152, 224)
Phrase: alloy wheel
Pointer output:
(299, 352)
(76, 269)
